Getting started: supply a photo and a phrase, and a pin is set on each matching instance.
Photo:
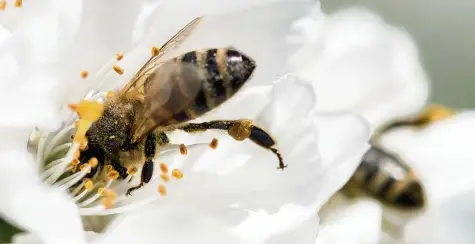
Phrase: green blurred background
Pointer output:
(445, 34)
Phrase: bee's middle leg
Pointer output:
(147, 169)
(240, 130)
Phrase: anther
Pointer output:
(113, 175)
(177, 174)
(101, 191)
(75, 162)
(214, 143)
(165, 177)
(118, 69)
(84, 74)
(85, 168)
(107, 202)
(89, 185)
(164, 168)
(132, 170)
(183, 149)
(109, 94)
(162, 189)
(119, 56)
(155, 51)
(18, 3)
(3, 5)
(93, 162)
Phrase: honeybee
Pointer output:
(164, 96)
(384, 176)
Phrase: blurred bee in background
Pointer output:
(164, 96)
(384, 176)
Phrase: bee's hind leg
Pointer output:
(240, 130)
(147, 169)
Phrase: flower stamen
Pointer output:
(84, 74)
(155, 51)
(183, 149)
(164, 168)
(119, 56)
(18, 3)
(214, 143)
(177, 174)
(162, 189)
(3, 5)
(132, 170)
(165, 177)
(118, 69)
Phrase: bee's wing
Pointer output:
(137, 82)
(171, 89)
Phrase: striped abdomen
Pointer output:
(385, 177)
(224, 71)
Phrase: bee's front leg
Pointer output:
(147, 169)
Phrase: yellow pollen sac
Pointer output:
(85, 168)
(118, 69)
(111, 194)
(18, 3)
(84, 74)
(132, 170)
(155, 51)
(177, 174)
(3, 5)
(214, 143)
(164, 168)
(93, 162)
(89, 185)
(113, 175)
(162, 189)
(109, 94)
(183, 149)
(107, 202)
(75, 162)
(119, 56)
(165, 177)
(101, 191)
(83, 145)
(88, 110)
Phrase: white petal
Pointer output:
(358, 222)
(359, 63)
(42, 210)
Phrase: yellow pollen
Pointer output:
(164, 168)
(132, 170)
(89, 185)
(93, 162)
(165, 177)
(85, 167)
(155, 51)
(214, 143)
(75, 162)
(111, 194)
(88, 112)
(101, 191)
(84, 74)
(83, 145)
(162, 189)
(76, 123)
(183, 149)
(109, 168)
(118, 69)
(18, 3)
(119, 56)
(76, 154)
(109, 94)
(107, 202)
(3, 4)
(177, 174)
(113, 175)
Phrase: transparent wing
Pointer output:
(137, 82)
(170, 90)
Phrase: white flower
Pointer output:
(235, 191)
(359, 63)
